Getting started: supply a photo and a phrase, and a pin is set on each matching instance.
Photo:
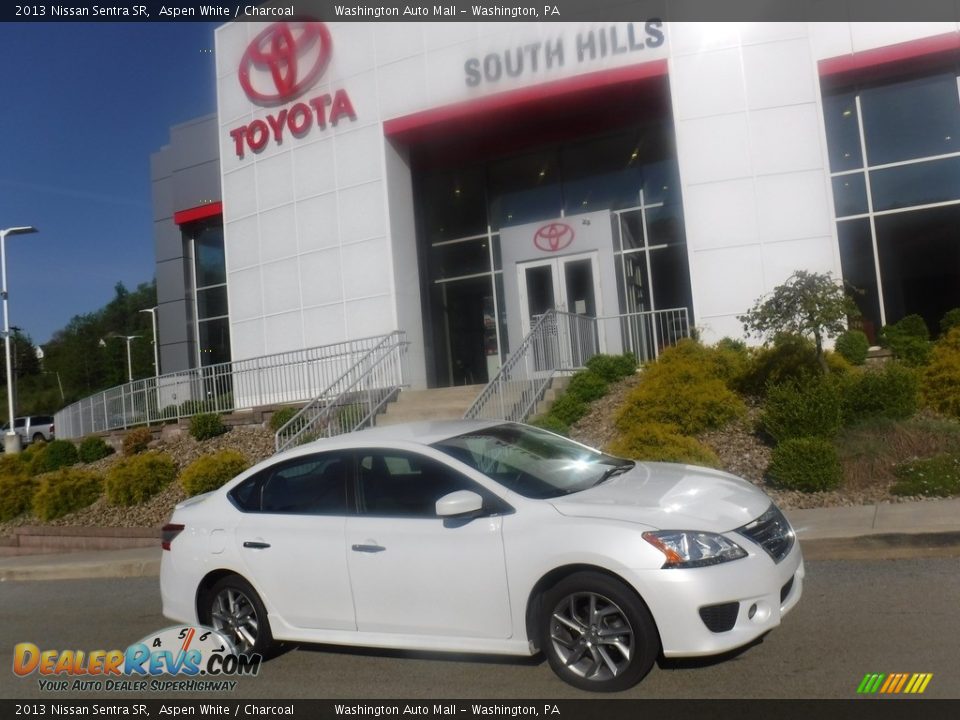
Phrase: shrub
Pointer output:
(909, 339)
(940, 379)
(587, 386)
(935, 477)
(53, 456)
(567, 409)
(206, 425)
(138, 478)
(790, 359)
(211, 471)
(348, 417)
(949, 321)
(853, 346)
(94, 448)
(726, 360)
(16, 488)
(137, 440)
(684, 389)
(803, 409)
(65, 491)
(805, 464)
(549, 422)
(282, 416)
(889, 392)
(613, 367)
(662, 443)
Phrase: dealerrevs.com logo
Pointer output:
(200, 658)
(279, 66)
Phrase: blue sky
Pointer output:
(83, 107)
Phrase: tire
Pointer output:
(597, 633)
(38, 437)
(233, 607)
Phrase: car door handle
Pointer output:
(256, 545)
(368, 548)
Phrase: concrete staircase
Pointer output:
(555, 390)
(435, 404)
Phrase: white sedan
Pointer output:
(484, 537)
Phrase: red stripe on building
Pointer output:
(906, 57)
(201, 212)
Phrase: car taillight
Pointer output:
(168, 533)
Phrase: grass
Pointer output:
(871, 451)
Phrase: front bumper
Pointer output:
(762, 590)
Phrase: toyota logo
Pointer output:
(284, 60)
(553, 237)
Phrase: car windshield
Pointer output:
(533, 462)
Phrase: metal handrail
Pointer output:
(353, 400)
(279, 378)
(562, 342)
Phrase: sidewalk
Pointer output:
(840, 532)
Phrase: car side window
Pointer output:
(20, 422)
(311, 485)
(398, 484)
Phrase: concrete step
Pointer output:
(433, 404)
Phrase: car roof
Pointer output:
(424, 432)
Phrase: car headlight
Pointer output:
(689, 549)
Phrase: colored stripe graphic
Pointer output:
(894, 683)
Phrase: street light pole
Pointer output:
(11, 441)
(129, 339)
(156, 348)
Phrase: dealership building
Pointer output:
(456, 180)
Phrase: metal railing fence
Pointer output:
(561, 343)
(288, 377)
(353, 400)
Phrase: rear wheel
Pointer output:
(233, 607)
(38, 437)
(597, 634)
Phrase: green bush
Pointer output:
(137, 440)
(206, 425)
(934, 477)
(805, 464)
(803, 409)
(549, 422)
(909, 339)
(791, 358)
(282, 416)
(567, 409)
(613, 367)
(93, 448)
(211, 471)
(138, 478)
(888, 392)
(853, 345)
(949, 321)
(940, 379)
(16, 488)
(726, 361)
(684, 389)
(661, 443)
(65, 491)
(53, 456)
(587, 386)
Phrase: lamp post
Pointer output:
(11, 441)
(156, 348)
(129, 339)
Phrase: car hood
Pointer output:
(667, 496)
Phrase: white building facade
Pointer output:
(453, 180)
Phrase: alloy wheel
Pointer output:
(592, 636)
(234, 614)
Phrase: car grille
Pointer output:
(772, 532)
(720, 618)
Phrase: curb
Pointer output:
(138, 563)
(883, 546)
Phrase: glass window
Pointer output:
(859, 271)
(665, 225)
(671, 277)
(398, 484)
(311, 485)
(212, 302)
(631, 230)
(661, 180)
(843, 131)
(454, 204)
(525, 189)
(917, 184)
(208, 246)
(214, 341)
(461, 258)
(850, 195)
(602, 174)
(912, 119)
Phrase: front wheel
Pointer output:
(233, 607)
(597, 634)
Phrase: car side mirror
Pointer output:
(459, 502)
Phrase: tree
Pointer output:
(808, 304)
